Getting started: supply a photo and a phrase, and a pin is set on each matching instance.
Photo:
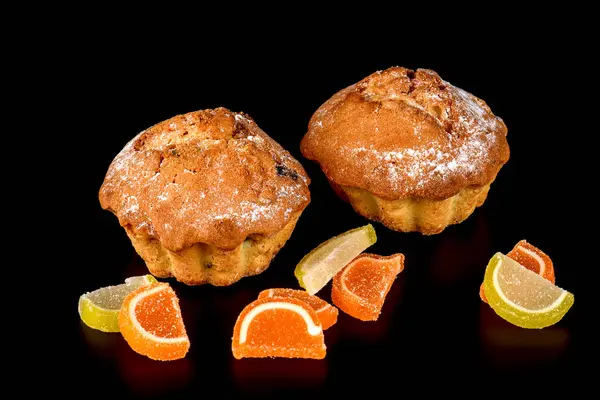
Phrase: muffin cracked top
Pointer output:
(210, 176)
(400, 133)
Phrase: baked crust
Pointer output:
(400, 134)
(417, 214)
(211, 177)
(203, 263)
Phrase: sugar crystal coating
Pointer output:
(100, 309)
(523, 288)
(361, 287)
(158, 315)
(278, 327)
(326, 312)
(151, 323)
(531, 258)
(523, 297)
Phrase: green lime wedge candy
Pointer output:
(320, 265)
(523, 297)
(100, 309)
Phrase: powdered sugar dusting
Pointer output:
(473, 116)
(426, 165)
(185, 186)
(400, 133)
(131, 205)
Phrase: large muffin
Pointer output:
(206, 197)
(408, 149)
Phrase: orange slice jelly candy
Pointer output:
(531, 258)
(151, 323)
(278, 327)
(360, 288)
(326, 312)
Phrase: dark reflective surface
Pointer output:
(433, 328)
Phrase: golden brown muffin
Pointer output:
(206, 197)
(408, 149)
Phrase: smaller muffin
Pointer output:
(206, 197)
(408, 149)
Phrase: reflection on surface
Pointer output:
(460, 255)
(101, 344)
(264, 374)
(140, 373)
(505, 343)
(145, 376)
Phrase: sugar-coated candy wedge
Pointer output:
(523, 297)
(531, 258)
(326, 312)
(278, 327)
(319, 266)
(151, 323)
(100, 309)
(361, 287)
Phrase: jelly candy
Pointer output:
(326, 312)
(100, 309)
(360, 288)
(531, 258)
(523, 297)
(278, 327)
(151, 323)
(317, 268)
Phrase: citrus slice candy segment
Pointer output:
(278, 327)
(361, 287)
(326, 312)
(151, 323)
(320, 265)
(531, 258)
(523, 297)
(100, 309)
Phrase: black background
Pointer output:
(434, 333)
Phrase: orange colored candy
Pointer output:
(278, 327)
(531, 258)
(326, 312)
(151, 323)
(360, 288)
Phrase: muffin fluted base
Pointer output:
(428, 216)
(203, 263)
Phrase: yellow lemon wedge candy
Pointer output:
(523, 297)
(320, 265)
(100, 309)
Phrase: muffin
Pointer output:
(408, 149)
(206, 197)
